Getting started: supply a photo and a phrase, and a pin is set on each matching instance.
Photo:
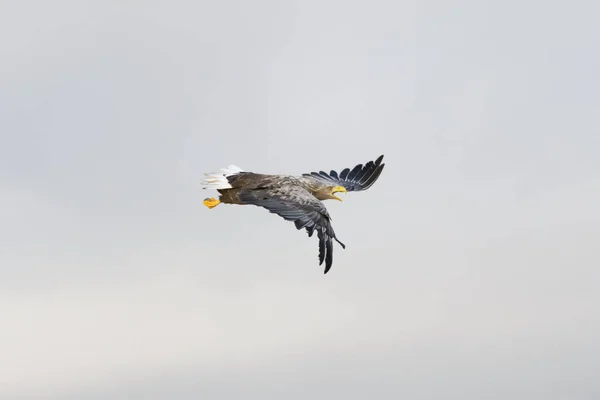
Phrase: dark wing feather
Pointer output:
(344, 173)
(361, 177)
(296, 204)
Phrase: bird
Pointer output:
(298, 199)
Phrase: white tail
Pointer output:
(218, 180)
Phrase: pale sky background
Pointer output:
(472, 266)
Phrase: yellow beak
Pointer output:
(338, 189)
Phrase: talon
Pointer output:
(211, 202)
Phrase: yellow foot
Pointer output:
(211, 203)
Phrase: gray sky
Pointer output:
(471, 268)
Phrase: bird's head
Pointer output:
(328, 192)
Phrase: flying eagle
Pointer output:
(294, 198)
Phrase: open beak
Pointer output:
(338, 189)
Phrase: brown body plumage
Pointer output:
(245, 181)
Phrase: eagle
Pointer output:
(294, 198)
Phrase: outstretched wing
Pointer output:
(359, 178)
(294, 203)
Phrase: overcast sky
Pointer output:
(472, 265)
